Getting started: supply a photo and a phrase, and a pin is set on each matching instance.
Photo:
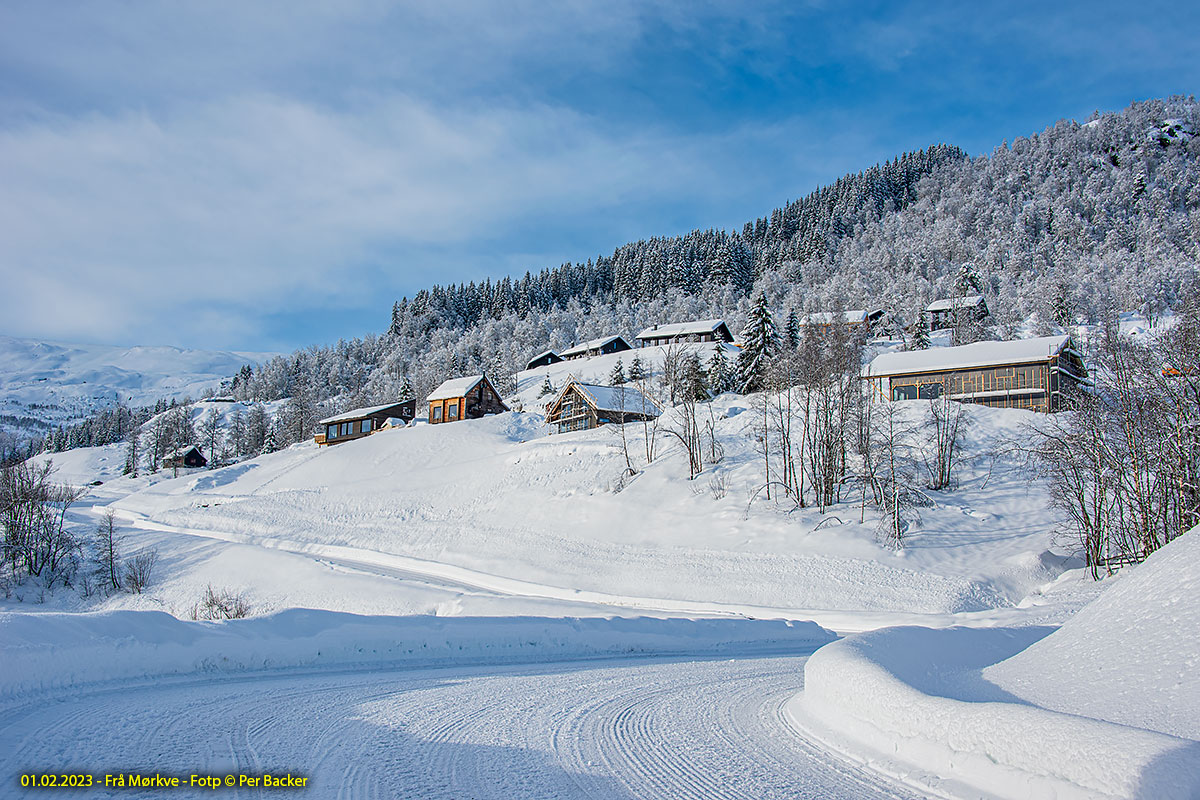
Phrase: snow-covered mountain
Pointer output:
(43, 384)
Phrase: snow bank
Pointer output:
(42, 652)
(1126, 657)
(914, 699)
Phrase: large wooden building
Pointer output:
(471, 397)
(596, 347)
(707, 330)
(1027, 373)
(360, 422)
(580, 406)
(944, 313)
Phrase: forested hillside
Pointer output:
(1057, 225)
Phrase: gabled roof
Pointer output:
(611, 398)
(951, 303)
(455, 387)
(967, 356)
(682, 329)
(828, 317)
(594, 344)
(183, 451)
(358, 413)
(543, 354)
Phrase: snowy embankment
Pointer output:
(1105, 707)
(43, 652)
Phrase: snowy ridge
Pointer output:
(50, 651)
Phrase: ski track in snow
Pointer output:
(637, 728)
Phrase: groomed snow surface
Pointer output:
(1107, 706)
(490, 611)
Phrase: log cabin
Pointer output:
(544, 360)
(360, 422)
(708, 330)
(1035, 374)
(464, 398)
(581, 406)
(859, 319)
(944, 313)
(187, 456)
(596, 347)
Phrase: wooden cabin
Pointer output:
(544, 360)
(580, 406)
(944, 313)
(189, 456)
(360, 422)
(708, 330)
(1027, 373)
(859, 319)
(464, 398)
(596, 347)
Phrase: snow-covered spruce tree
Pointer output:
(760, 341)
(637, 370)
(920, 334)
(791, 331)
(617, 376)
(718, 372)
(547, 387)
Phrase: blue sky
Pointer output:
(270, 175)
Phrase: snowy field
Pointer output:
(493, 611)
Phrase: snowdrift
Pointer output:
(986, 707)
(1127, 657)
(42, 652)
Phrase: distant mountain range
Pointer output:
(45, 384)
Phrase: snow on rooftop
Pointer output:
(951, 303)
(356, 413)
(979, 354)
(618, 398)
(829, 317)
(583, 347)
(455, 387)
(681, 329)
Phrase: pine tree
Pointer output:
(637, 370)
(406, 390)
(791, 331)
(760, 341)
(920, 338)
(617, 376)
(133, 451)
(547, 387)
(718, 371)
(695, 382)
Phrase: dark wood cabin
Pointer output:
(464, 398)
(596, 347)
(580, 406)
(544, 360)
(189, 456)
(708, 330)
(859, 319)
(944, 313)
(360, 422)
(1035, 374)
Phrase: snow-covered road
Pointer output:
(638, 728)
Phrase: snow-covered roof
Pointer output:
(455, 387)
(183, 451)
(979, 354)
(681, 329)
(543, 354)
(357, 413)
(951, 303)
(828, 317)
(616, 398)
(585, 347)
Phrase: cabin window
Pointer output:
(904, 393)
(366, 426)
(929, 391)
(347, 428)
(331, 431)
(437, 413)
(452, 411)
